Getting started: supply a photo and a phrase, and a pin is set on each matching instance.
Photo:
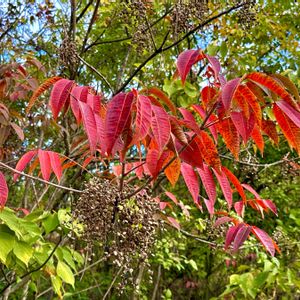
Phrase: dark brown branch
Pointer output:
(90, 26)
(84, 11)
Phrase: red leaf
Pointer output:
(45, 164)
(225, 186)
(231, 234)
(173, 170)
(243, 126)
(272, 85)
(208, 150)
(89, 123)
(239, 208)
(293, 114)
(208, 95)
(191, 154)
(236, 183)
(210, 206)
(191, 180)
(101, 137)
(208, 182)
(152, 161)
(60, 95)
(216, 66)
(189, 120)
(185, 62)
(228, 91)
(143, 117)
(174, 222)
(269, 128)
(222, 220)
(3, 190)
(258, 139)
(78, 93)
(18, 130)
(269, 204)
(24, 160)
(177, 130)
(94, 101)
(160, 126)
(164, 98)
(55, 164)
(118, 112)
(289, 129)
(264, 239)
(172, 197)
(241, 236)
(230, 136)
(163, 205)
(251, 190)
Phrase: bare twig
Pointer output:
(112, 283)
(39, 179)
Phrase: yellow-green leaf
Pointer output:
(65, 273)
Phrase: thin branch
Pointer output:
(93, 18)
(38, 179)
(156, 283)
(112, 283)
(84, 11)
(97, 72)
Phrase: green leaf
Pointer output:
(7, 242)
(56, 283)
(223, 49)
(23, 251)
(50, 223)
(10, 219)
(65, 273)
(68, 258)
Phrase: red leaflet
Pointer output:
(208, 150)
(185, 62)
(191, 154)
(208, 182)
(241, 236)
(118, 112)
(45, 164)
(258, 139)
(216, 66)
(94, 101)
(89, 123)
(272, 85)
(264, 238)
(208, 95)
(288, 84)
(164, 98)
(174, 222)
(210, 206)
(172, 197)
(160, 126)
(228, 91)
(173, 170)
(231, 234)
(225, 186)
(289, 129)
(251, 190)
(189, 120)
(222, 220)
(230, 136)
(55, 164)
(3, 190)
(78, 93)
(243, 126)
(191, 180)
(18, 130)
(239, 208)
(293, 114)
(211, 119)
(24, 160)
(101, 137)
(269, 128)
(139, 171)
(177, 130)
(152, 161)
(60, 95)
(143, 117)
(236, 183)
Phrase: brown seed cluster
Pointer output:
(247, 14)
(183, 13)
(68, 53)
(124, 228)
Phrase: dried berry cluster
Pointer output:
(68, 53)
(125, 228)
(247, 14)
(184, 11)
